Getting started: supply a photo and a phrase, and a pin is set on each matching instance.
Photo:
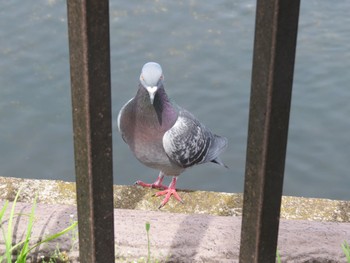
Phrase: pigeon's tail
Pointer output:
(218, 145)
(219, 162)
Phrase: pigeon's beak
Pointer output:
(152, 92)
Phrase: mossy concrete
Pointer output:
(196, 202)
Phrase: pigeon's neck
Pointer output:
(161, 112)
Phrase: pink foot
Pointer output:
(154, 185)
(168, 193)
(157, 184)
(171, 190)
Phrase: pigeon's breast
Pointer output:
(143, 133)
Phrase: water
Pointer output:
(206, 54)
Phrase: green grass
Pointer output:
(23, 248)
(148, 226)
(148, 259)
(346, 250)
(278, 257)
(57, 257)
(8, 235)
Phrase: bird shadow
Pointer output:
(188, 238)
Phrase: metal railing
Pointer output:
(272, 77)
(276, 30)
(88, 26)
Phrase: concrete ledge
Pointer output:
(182, 238)
(196, 202)
(204, 229)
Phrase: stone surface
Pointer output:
(196, 202)
(183, 238)
(204, 229)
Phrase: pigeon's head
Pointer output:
(151, 78)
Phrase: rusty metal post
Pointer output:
(88, 26)
(272, 77)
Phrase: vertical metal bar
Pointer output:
(272, 77)
(88, 26)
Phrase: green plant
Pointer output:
(23, 246)
(148, 226)
(2, 212)
(8, 235)
(346, 250)
(278, 256)
(74, 237)
(57, 257)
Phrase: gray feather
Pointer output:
(188, 142)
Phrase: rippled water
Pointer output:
(206, 54)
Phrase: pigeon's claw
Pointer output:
(157, 184)
(168, 193)
(154, 185)
(171, 190)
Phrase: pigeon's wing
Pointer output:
(188, 142)
(120, 114)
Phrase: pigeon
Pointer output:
(163, 135)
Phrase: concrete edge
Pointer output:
(196, 202)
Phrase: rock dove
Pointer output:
(164, 136)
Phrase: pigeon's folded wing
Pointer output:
(188, 142)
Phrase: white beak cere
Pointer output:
(152, 92)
